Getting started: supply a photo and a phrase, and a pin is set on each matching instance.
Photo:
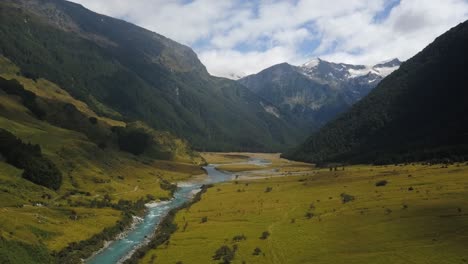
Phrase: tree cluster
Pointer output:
(36, 168)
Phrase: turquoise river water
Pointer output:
(122, 248)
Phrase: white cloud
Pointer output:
(227, 62)
(411, 26)
(236, 36)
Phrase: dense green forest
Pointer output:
(417, 113)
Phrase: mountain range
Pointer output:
(318, 90)
(128, 73)
(417, 113)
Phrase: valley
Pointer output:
(318, 215)
(119, 145)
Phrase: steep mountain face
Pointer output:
(129, 73)
(416, 113)
(318, 90)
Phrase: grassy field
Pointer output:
(239, 162)
(86, 170)
(418, 215)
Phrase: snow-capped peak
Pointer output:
(312, 63)
(383, 69)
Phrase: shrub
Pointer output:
(239, 238)
(381, 183)
(265, 235)
(257, 251)
(268, 189)
(204, 219)
(93, 120)
(225, 254)
(345, 198)
(167, 186)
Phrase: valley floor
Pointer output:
(419, 214)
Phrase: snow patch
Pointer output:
(381, 71)
(312, 64)
(270, 109)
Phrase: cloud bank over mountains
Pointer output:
(237, 37)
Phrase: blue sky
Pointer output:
(238, 37)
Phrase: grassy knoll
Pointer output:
(419, 215)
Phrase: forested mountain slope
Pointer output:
(129, 73)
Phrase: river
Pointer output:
(122, 248)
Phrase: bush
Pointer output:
(257, 251)
(268, 189)
(93, 120)
(239, 238)
(381, 183)
(167, 186)
(346, 198)
(225, 254)
(204, 219)
(265, 235)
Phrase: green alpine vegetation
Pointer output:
(129, 73)
(417, 113)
